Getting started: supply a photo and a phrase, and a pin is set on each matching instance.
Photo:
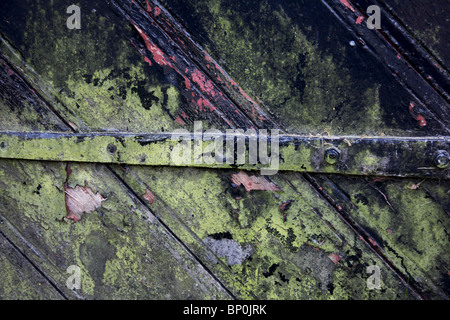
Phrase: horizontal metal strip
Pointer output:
(250, 150)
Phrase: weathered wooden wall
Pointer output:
(191, 233)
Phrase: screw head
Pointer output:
(441, 159)
(4, 145)
(332, 155)
(111, 148)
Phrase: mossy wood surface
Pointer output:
(193, 233)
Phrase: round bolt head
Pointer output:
(332, 155)
(4, 145)
(111, 148)
(441, 159)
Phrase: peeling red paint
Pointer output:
(148, 61)
(158, 55)
(180, 121)
(253, 182)
(203, 103)
(187, 83)
(157, 11)
(419, 117)
(211, 96)
(359, 19)
(149, 196)
(205, 85)
(422, 121)
(183, 114)
(207, 56)
(348, 5)
(372, 242)
(286, 205)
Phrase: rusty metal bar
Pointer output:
(252, 150)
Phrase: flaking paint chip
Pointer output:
(149, 196)
(253, 182)
(81, 200)
(335, 258)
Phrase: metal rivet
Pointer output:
(441, 159)
(4, 145)
(111, 148)
(332, 155)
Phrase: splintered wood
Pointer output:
(80, 200)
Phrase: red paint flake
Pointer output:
(335, 258)
(246, 96)
(232, 82)
(372, 242)
(339, 208)
(420, 118)
(359, 19)
(183, 114)
(253, 182)
(399, 57)
(149, 8)
(286, 205)
(347, 4)
(203, 103)
(207, 56)
(226, 120)
(180, 121)
(146, 59)
(181, 41)
(422, 121)
(205, 85)
(157, 11)
(187, 83)
(149, 196)
(173, 59)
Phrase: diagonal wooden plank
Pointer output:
(280, 276)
